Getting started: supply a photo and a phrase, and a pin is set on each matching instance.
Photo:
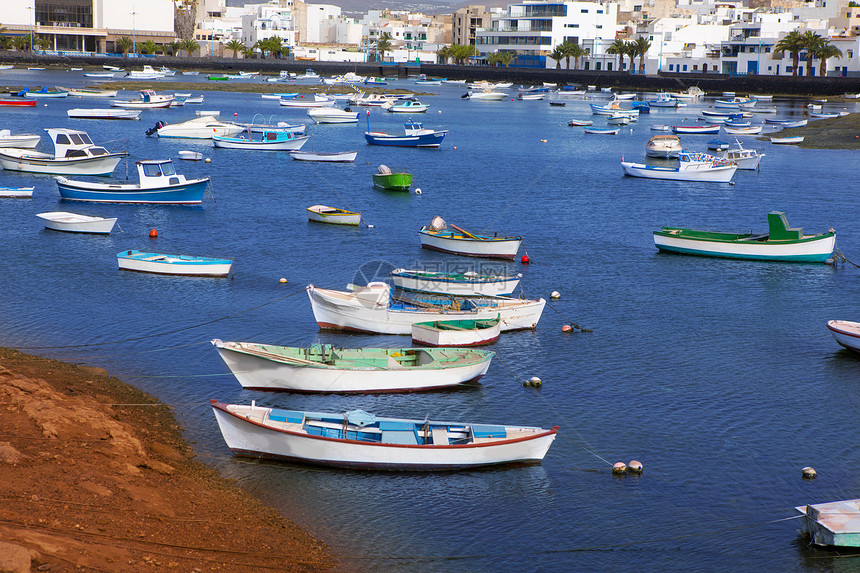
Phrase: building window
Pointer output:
(715, 67)
(767, 49)
(695, 67)
(788, 69)
(584, 11)
(597, 65)
(599, 27)
(67, 13)
(671, 67)
(685, 67)
(600, 11)
(608, 66)
(571, 25)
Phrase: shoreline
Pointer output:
(98, 476)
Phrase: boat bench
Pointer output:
(489, 431)
(394, 432)
(291, 416)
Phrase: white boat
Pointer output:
(579, 122)
(148, 100)
(707, 129)
(602, 130)
(659, 127)
(373, 100)
(752, 130)
(456, 332)
(190, 155)
(692, 167)
(335, 157)
(333, 115)
(468, 283)
(161, 264)
(663, 100)
(765, 110)
(813, 106)
(74, 154)
(373, 309)
(359, 440)
(332, 215)
(205, 127)
(846, 333)
(75, 223)
(105, 113)
(99, 74)
(744, 158)
(268, 141)
(83, 92)
(823, 115)
(306, 103)
(787, 140)
(486, 95)
(406, 106)
(531, 97)
(21, 141)
(323, 368)
(438, 237)
(158, 184)
(147, 73)
(618, 119)
(16, 192)
(664, 146)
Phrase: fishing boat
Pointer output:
(148, 100)
(205, 127)
(722, 114)
(306, 103)
(44, 92)
(468, 283)
(531, 96)
(6, 102)
(187, 155)
(744, 158)
(268, 141)
(822, 115)
(105, 113)
(294, 128)
(663, 100)
(717, 145)
(85, 92)
(75, 223)
(456, 332)
(99, 74)
(713, 128)
(16, 192)
(147, 73)
(618, 119)
(74, 154)
(692, 167)
(161, 264)
(359, 440)
(391, 181)
(436, 236)
(788, 124)
(331, 157)
(579, 122)
(372, 81)
(333, 115)
(323, 214)
(752, 130)
(834, 524)
(324, 368)
(780, 243)
(664, 146)
(406, 106)
(159, 183)
(691, 92)
(376, 308)
(21, 140)
(415, 135)
(846, 333)
(611, 108)
(485, 95)
(787, 140)
(734, 103)
(659, 127)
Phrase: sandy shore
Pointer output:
(832, 133)
(96, 477)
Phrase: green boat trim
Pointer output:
(778, 233)
(392, 181)
(461, 324)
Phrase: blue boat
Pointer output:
(159, 183)
(642, 106)
(718, 145)
(415, 136)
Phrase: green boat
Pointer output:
(389, 181)
(217, 78)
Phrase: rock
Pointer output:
(9, 455)
(160, 467)
(14, 558)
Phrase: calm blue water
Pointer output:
(719, 376)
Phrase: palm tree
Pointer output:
(619, 48)
(190, 46)
(42, 43)
(21, 43)
(557, 54)
(124, 44)
(235, 46)
(824, 51)
(504, 58)
(147, 47)
(642, 46)
(811, 41)
(383, 44)
(577, 52)
(444, 54)
(247, 52)
(568, 48)
(172, 47)
(6, 42)
(462, 53)
(793, 44)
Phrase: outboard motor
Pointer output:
(464, 96)
(347, 109)
(153, 130)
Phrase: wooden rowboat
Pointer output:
(323, 214)
(335, 157)
(74, 223)
(846, 333)
(436, 236)
(16, 192)
(173, 264)
(456, 332)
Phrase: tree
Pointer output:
(619, 48)
(811, 41)
(462, 53)
(21, 43)
(824, 51)
(6, 42)
(171, 48)
(235, 46)
(557, 54)
(444, 54)
(248, 53)
(123, 45)
(383, 44)
(642, 46)
(503, 58)
(42, 43)
(569, 49)
(147, 47)
(793, 44)
(190, 46)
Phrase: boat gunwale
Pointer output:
(737, 238)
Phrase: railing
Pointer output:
(76, 53)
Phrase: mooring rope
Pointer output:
(841, 256)
(570, 322)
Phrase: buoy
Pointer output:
(635, 467)
(731, 182)
(555, 294)
(543, 140)
(235, 114)
(566, 328)
(619, 468)
(153, 234)
(283, 280)
(808, 473)
(418, 191)
(370, 226)
(533, 382)
(207, 160)
(440, 111)
(455, 148)
(525, 260)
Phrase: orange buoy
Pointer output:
(235, 114)
(153, 234)
(525, 260)
(566, 328)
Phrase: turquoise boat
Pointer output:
(780, 243)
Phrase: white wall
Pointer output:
(16, 12)
(149, 15)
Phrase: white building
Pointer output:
(262, 21)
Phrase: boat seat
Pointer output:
(394, 432)
(440, 436)
(291, 416)
(779, 229)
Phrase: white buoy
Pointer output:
(440, 111)
(619, 468)
(555, 294)
(533, 382)
(808, 473)
(207, 160)
(418, 191)
(283, 280)
(635, 467)
(370, 226)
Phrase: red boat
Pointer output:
(19, 102)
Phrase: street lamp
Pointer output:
(31, 27)
(133, 32)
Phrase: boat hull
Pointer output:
(491, 247)
(73, 223)
(342, 157)
(283, 145)
(719, 174)
(392, 181)
(189, 193)
(107, 113)
(436, 334)
(502, 286)
(101, 165)
(846, 333)
(160, 264)
(251, 438)
(334, 216)
(426, 140)
(817, 250)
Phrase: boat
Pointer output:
(468, 283)
(376, 308)
(659, 127)
(324, 368)
(147, 73)
(309, 75)
(438, 237)
(391, 181)
(814, 106)
(21, 141)
(205, 127)
(531, 96)
(159, 183)
(713, 128)
(789, 124)
(485, 95)
(6, 102)
(44, 92)
(358, 440)
(602, 130)
(415, 135)
(618, 119)
(148, 100)
(780, 243)
(579, 122)
(752, 130)
(99, 74)
(718, 145)
(734, 103)
(557, 103)
(724, 114)
(194, 99)
(104, 113)
(846, 333)
(190, 73)
(74, 154)
(664, 146)
(294, 128)
(268, 141)
(375, 81)
(306, 103)
(84, 92)
(833, 524)
(16, 192)
(372, 100)
(217, 78)
(323, 214)
(189, 155)
(456, 332)
(161, 264)
(787, 140)
(333, 157)
(406, 106)
(75, 223)
(333, 115)
(744, 158)
(737, 123)
(760, 97)
(612, 108)
(692, 167)
(765, 110)
(691, 92)
(663, 100)
(823, 115)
